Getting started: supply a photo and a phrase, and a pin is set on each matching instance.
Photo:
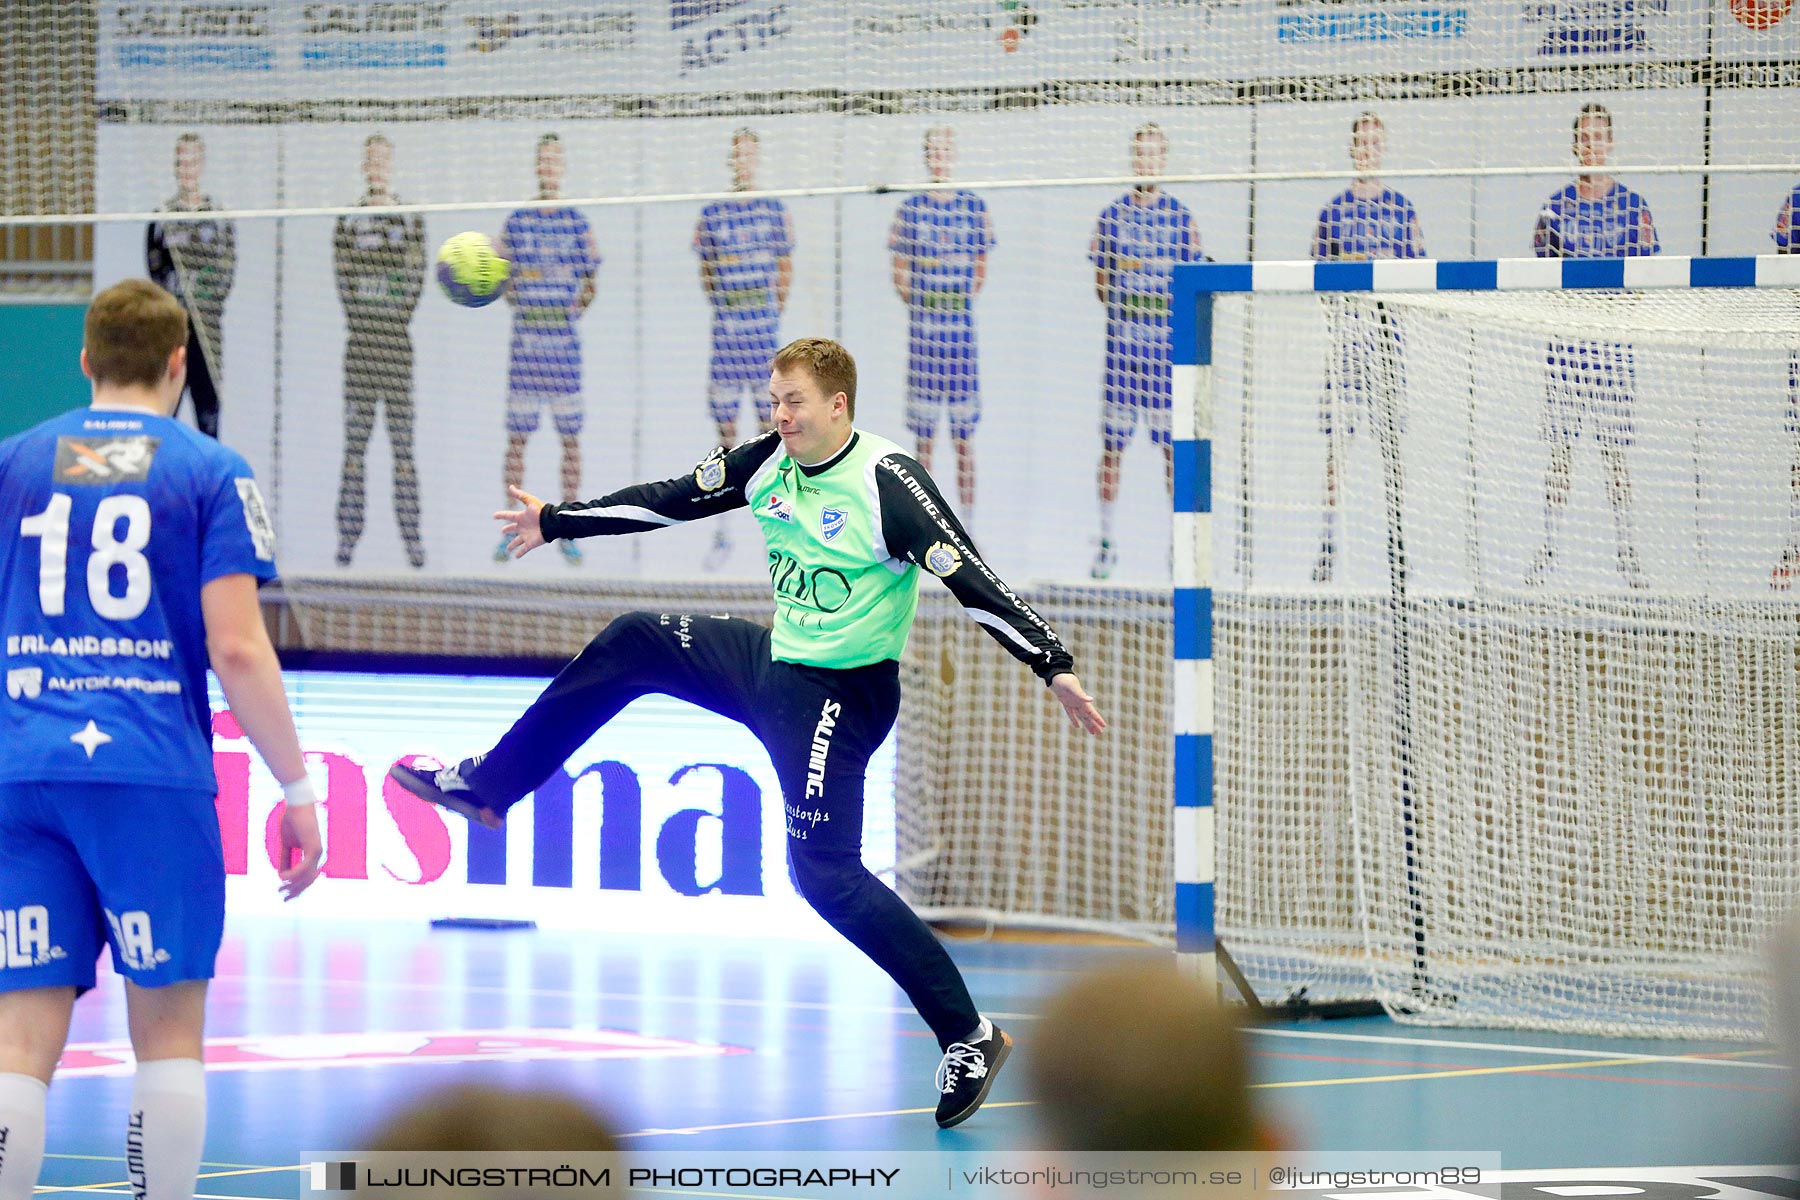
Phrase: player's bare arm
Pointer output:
(503, 248)
(709, 272)
(590, 280)
(237, 643)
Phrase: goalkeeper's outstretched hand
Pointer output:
(522, 524)
(1077, 703)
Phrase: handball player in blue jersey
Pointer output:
(1783, 576)
(130, 556)
(1367, 220)
(940, 242)
(1589, 384)
(554, 262)
(746, 252)
(1136, 244)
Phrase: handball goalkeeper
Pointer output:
(848, 520)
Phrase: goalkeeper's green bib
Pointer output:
(840, 599)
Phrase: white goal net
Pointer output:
(1509, 659)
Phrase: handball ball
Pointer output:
(469, 270)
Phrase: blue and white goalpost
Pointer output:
(1507, 611)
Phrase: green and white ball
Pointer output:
(470, 271)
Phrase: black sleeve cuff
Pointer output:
(548, 524)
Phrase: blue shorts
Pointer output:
(941, 377)
(545, 369)
(1589, 384)
(743, 348)
(726, 397)
(87, 865)
(1138, 379)
(743, 352)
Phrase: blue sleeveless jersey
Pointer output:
(1353, 227)
(553, 257)
(942, 239)
(1784, 224)
(743, 242)
(113, 522)
(1617, 225)
(1138, 245)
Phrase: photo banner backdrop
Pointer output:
(646, 99)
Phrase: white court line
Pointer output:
(1511, 1048)
(113, 1189)
(907, 1010)
(119, 1158)
(892, 1112)
(660, 998)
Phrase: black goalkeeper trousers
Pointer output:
(378, 373)
(819, 726)
(202, 385)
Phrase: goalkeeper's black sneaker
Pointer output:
(449, 788)
(965, 1075)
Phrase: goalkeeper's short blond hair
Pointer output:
(829, 364)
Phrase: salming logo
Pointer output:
(131, 934)
(25, 937)
(134, 1153)
(968, 555)
(821, 747)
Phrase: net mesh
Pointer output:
(47, 158)
(947, 186)
(1507, 652)
(1005, 814)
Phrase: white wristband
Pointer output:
(299, 793)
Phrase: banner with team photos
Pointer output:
(389, 452)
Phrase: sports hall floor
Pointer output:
(318, 1029)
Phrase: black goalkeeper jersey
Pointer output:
(815, 520)
(379, 262)
(194, 260)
